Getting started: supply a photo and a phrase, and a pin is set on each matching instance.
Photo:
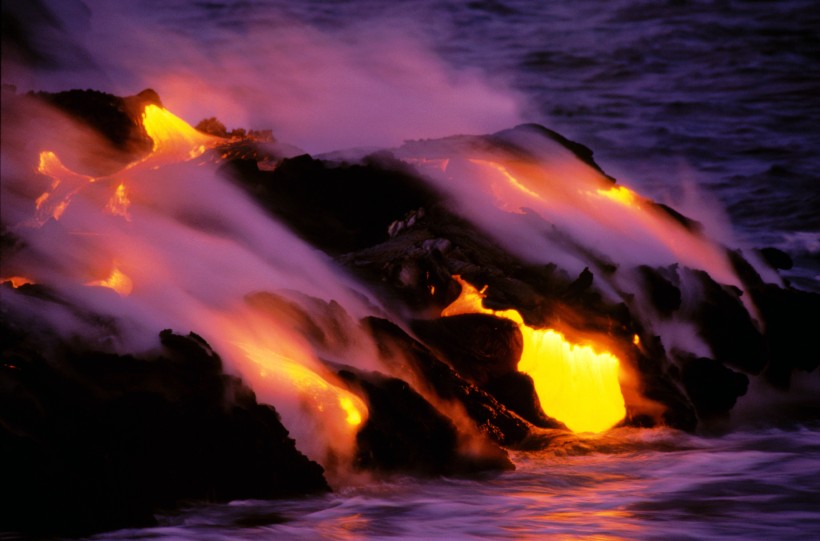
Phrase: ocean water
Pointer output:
(710, 106)
(629, 484)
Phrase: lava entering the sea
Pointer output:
(575, 384)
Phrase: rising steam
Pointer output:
(165, 243)
(373, 85)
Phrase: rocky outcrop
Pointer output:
(711, 386)
(403, 354)
(485, 350)
(405, 433)
(337, 207)
(96, 441)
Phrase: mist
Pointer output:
(374, 84)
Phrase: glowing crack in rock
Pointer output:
(575, 384)
(354, 416)
(621, 194)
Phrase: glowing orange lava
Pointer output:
(575, 384)
(622, 195)
(172, 136)
(16, 281)
(117, 280)
(584, 201)
(65, 183)
(332, 402)
(119, 202)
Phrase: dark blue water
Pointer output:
(651, 484)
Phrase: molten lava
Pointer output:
(622, 195)
(354, 416)
(119, 202)
(174, 140)
(173, 137)
(328, 400)
(65, 183)
(117, 280)
(575, 384)
(17, 281)
(610, 219)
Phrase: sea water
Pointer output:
(629, 484)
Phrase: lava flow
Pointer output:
(575, 384)
(173, 137)
(152, 237)
(117, 280)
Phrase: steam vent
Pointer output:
(203, 315)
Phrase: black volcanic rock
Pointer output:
(516, 391)
(712, 388)
(408, 355)
(776, 259)
(326, 325)
(336, 207)
(660, 382)
(405, 433)
(485, 350)
(790, 317)
(481, 347)
(96, 441)
(116, 119)
(663, 293)
(723, 322)
(582, 152)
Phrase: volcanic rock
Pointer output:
(712, 387)
(405, 433)
(663, 293)
(724, 323)
(404, 353)
(336, 207)
(790, 319)
(582, 152)
(117, 120)
(485, 350)
(660, 382)
(97, 441)
(776, 259)
(480, 347)
(516, 391)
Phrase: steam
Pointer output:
(571, 211)
(375, 84)
(189, 254)
(132, 250)
(538, 199)
(195, 254)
